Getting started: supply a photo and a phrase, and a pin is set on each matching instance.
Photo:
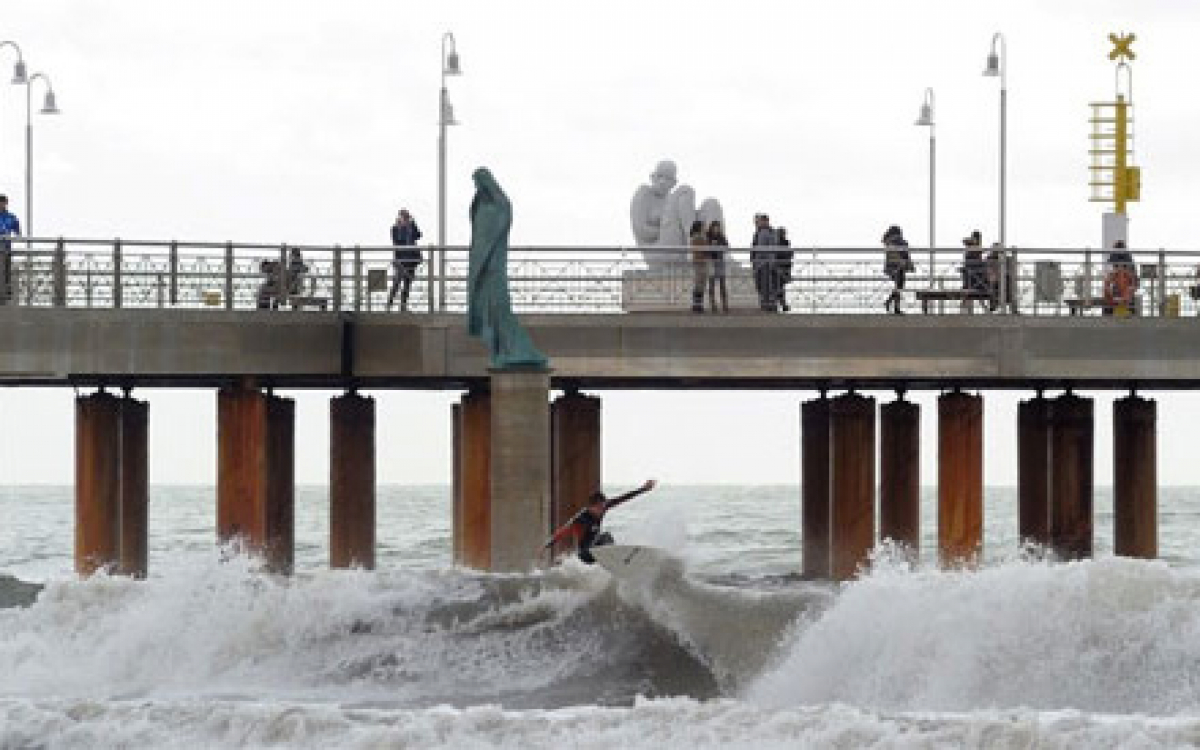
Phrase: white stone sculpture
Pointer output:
(661, 214)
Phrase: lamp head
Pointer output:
(448, 114)
(926, 117)
(50, 105)
(451, 67)
(20, 75)
(993, 65)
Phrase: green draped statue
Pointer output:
(489, 307)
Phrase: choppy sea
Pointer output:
(736, 652)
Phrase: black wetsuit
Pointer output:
(590, 534)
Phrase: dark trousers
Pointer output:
(766, 283)
(406, 271)
(5, 275)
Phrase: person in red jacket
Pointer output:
(585, 525)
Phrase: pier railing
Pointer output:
(90, 273)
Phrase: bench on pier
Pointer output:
(301, 301)
(962, 296)
(1080, 305)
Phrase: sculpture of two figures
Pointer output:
(489, 306)
(662, 215)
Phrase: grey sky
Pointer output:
(313, 122)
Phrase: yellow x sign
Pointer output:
(1122, 46)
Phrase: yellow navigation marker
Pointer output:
(1122, 47)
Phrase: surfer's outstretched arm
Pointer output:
(646, 487)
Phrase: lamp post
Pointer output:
(445, 119)
(49, 107)
(997, 66)
(19, 77)
(926, 120)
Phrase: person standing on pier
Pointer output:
(405, 235)
(896, 266)
(762, 260)
(10, 226)
(717, 243)
(585, 525)
(783, 267)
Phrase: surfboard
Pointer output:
(634, 563)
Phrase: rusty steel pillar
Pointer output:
(575, 471)
(256, 473)
(900, 474)
(1033, 471)
(135, 489)
(814, 488)
(852, 481)
(960, 478)
(97, 483)
(456, 550)
(352, 481)
(1071, 449)
(1135, 477)
(473, 534)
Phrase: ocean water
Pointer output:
(725, 648)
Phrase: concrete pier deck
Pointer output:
(165, 347)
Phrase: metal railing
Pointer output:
(90, 273)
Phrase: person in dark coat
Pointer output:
(407, 257)
(783, 267)
(896, 266)
(762, 260)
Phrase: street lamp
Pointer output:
(19, 77)
(926, 120)
(997, 66)
(445, 118)
(49, 107)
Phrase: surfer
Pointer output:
(585, 525)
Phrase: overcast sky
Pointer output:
(311, 122)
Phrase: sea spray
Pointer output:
(1109, 635)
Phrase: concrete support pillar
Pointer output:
(1135, 477)
(352, 481)
(1071, 448)
(520, 467)
(1033, 471)
(473, 534)
(960, 477)
(814, 488)
(256, 473)
(900, 474)
(97, 482)
(852, 480)
(575, 454)
(135, 487)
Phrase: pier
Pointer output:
(110, 318)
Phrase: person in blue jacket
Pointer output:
(10, 226)
(405, 235)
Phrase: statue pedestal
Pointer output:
(520, 467)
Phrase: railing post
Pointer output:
(117, 291)
(229, 275)
(158, 288)
(173, 266)
(87, 281)
(283, 274)
(337, 278)
(1002, 285)
(433, 252)
(1086, 296)
(60, 273)
(358, 291)
(1161, 281)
